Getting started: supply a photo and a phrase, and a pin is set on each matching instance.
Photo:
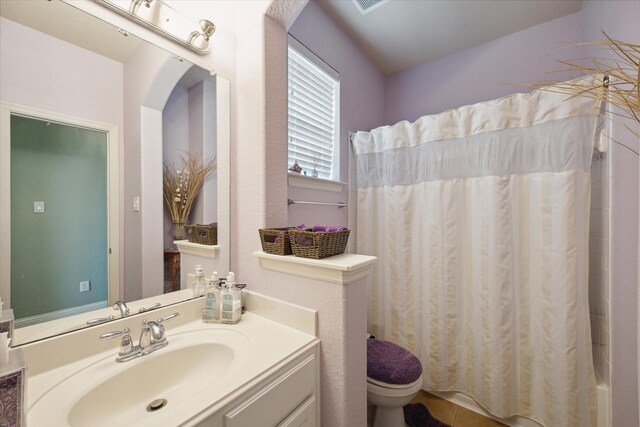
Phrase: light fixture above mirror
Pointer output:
(163, 19)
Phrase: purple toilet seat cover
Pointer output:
(390, 363)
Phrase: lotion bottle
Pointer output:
(199, 283)
(231, 306)
(211, 310)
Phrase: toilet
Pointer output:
(394, 377)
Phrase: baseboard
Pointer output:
(53, 315)
(465, 401)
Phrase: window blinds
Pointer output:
(311, 115)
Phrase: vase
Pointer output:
(178, 230)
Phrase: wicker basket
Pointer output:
(275, 240)
(202, 234)
(317, 244)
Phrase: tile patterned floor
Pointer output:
(452, 414)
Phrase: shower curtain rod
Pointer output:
(301, 202)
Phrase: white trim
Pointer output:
(308, 54)
(186, 247)
(335, 166)
(223, 154)
(59, 314)
(342, 269)
(313, 183)
(152, 202)
(113, 182)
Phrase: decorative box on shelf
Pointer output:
(13, 380)
(6, 322)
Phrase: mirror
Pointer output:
(74, 87)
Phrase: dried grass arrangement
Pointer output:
(182, 186)
(623, 70)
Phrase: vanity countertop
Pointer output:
(259, 344)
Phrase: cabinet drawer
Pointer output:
(276, 400)
(303, 416)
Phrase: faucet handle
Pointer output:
(169, 317)
(151, 307)
(113, 334)
(100, 320)
(126, 345)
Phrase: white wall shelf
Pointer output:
(342, 269)
(190, 248)
(312, 183)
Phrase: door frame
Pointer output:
(113, 192)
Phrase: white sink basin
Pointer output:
(102, 392)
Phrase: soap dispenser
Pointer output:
(231, 306)
(211, 310)
(199, 283)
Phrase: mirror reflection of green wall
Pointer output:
(53, 251)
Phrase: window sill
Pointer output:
(312, 183)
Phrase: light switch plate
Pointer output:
(136, 203)
(38, 207)
(85, 286)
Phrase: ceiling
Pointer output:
(72, 25)
(399, 34)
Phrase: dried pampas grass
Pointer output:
(181, 186)
(623, 70)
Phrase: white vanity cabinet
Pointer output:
(288, 396)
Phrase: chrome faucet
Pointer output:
(152, 338)
(152, 335)
(120, 305)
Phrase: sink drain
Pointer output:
(156, 404)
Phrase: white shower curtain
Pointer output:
(479, 218)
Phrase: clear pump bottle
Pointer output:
(211, 310)
(231, 305)
(199, 283)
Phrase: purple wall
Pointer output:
(361, 104)
(481, 73)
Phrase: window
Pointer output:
(313, 113)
